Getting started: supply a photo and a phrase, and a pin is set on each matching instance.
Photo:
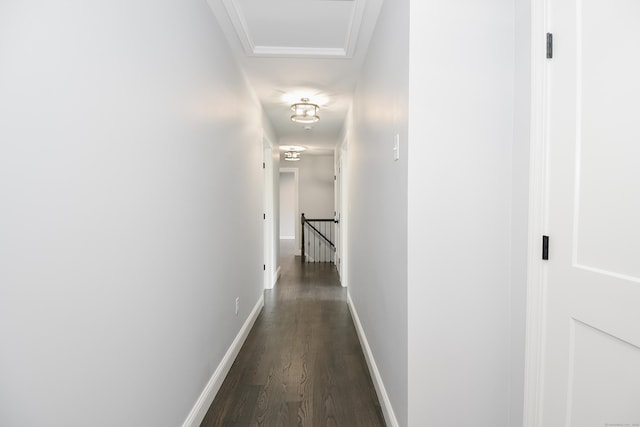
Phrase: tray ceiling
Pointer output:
(293, 49)
(325, 28)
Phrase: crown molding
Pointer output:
(236, 16)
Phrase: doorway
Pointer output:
(289, 213)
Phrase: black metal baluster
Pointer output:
(319, 227)
(302, 227)
(324, 233)
(326, 246)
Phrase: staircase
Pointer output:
(318, 236)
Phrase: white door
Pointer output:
(591, 353)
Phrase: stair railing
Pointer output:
(317, 240)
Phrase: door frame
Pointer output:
(344, 212)
(296, 204)
(538, 218)
(337, 206)
(269, 241)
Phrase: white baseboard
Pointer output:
(276, 276)
(287, 237)
(203, 403)
(387, 410)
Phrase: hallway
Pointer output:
(140, 150)
(302, 363)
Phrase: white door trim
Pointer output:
(344, 212)
(534, 360)
(336, 206)
(295, 202)
(268, 223)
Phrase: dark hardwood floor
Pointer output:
(302, 364)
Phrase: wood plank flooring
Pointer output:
(302, 364)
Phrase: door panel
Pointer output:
(608, 136)
(592, 287)
(603, 373)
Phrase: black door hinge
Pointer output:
(264, 216)
(549, 45)
(545, 247)
(264, 165)
(264, 267)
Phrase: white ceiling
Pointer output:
(292, 49)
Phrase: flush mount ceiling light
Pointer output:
(304, 112)
(292, 148)
(292, 156)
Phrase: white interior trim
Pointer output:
(203, 403)
(276, 276)
(296, 202)
(239, 24)
(344, 211)
(354, 27)
(298, 52)
(269, 221)
(534, 352)
(385, 403)
(234, 12)
(337, 200)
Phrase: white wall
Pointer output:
(377, 201)
(315, 191)
(460, 200)
(122, 216)
(288, 219)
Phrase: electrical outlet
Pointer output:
(237, 305)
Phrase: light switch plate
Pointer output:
(396, 147)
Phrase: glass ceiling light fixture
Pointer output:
(292, 156)
(305, 112)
